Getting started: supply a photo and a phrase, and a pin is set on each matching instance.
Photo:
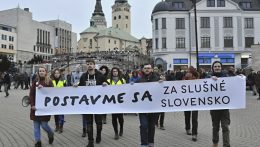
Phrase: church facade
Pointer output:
(98, 37)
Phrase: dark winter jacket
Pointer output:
(85, 77)
(148, 78)
(32, 99)
(7, 79)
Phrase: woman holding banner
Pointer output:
(42, 80)
(219, 116)
(116, 78)
(192, 74)
(57, 81)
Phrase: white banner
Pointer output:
(168, 96)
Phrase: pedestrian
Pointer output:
(147, 120)
(219, 116)
(170, 76)
(257, 83)
(26, 81)
(251, 82)
(231, 71)
(191, 74)
(58, 81)
(1, 80)
(104, 71)
(134, 77)
(92, 78)
(42, 80)
(6, 82)
(161, 115)
(116, 78)
(75, 77)
(68, 79)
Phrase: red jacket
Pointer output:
(32, 101)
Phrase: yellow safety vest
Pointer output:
(60, 83)
(119, 82)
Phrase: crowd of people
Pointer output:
(104, 76)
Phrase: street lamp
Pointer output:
(196, 32)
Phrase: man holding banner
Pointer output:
(92, 78)
(147, 120)
(220, 116)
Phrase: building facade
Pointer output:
(36, 38)
(99, 37)
(8, 38)
(64, 37)
(226, 31)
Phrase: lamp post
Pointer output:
(196, 33)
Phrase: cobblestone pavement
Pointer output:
(16, 128)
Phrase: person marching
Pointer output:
(219, 116)
(57, 81)
(7, 82)
(75, 76)
(147, 120)
(104, 70)
(116, 78)
(42, 80)
(192, 74)
(92, 78)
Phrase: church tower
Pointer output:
(98, 17)
(121, 15)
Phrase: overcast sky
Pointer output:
(79, 12)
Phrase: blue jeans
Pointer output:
(147, 127)
(37, 129)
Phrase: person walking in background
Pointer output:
(219, 116)
(75, 77)
(251, 82)
(6, 82)
(26, 80)
(170, 76)
(58, 81)
(160, 116)
(42, 80)
(191, 74)
(68, 79)
(104, 71)
(135, 77)
(116, 78)
(231, 71)
(1, 81)
(257, 83)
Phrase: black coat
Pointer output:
(148, 78)
(6, 79)
(100, 79)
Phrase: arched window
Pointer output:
(119, 17)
